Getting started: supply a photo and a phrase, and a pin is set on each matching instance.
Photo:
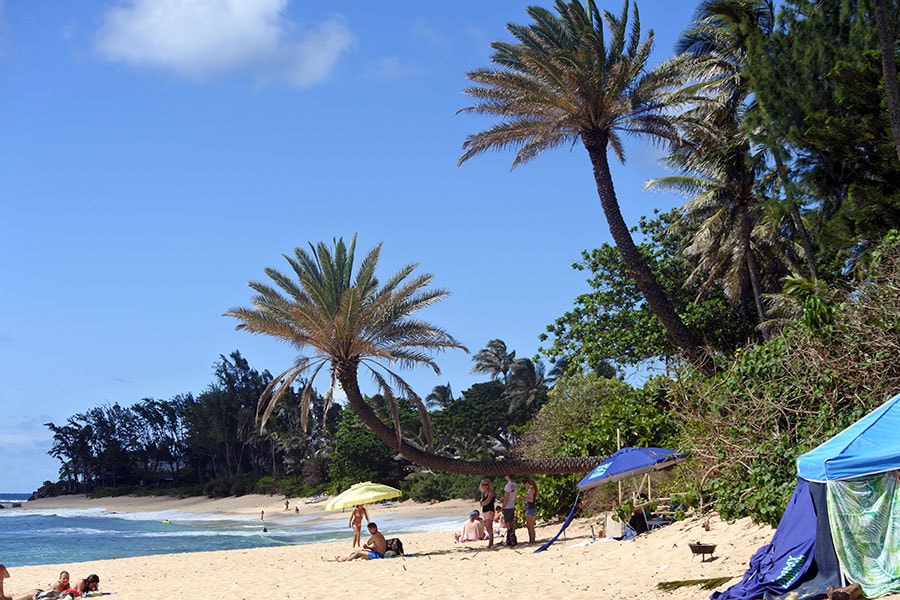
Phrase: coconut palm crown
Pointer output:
(343, 322)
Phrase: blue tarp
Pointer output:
(778, 565)
(867, 447)
(629, 462)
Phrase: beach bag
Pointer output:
(511, 538)
(394, 545)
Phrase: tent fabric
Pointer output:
(824, 569)
(867, 447)
(778, 565)
(630, 462)
(864, 515)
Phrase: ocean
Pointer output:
(60, 536)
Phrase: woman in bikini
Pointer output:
(488, 497)
(356, 518)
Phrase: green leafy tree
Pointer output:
(611, 323)
(349, 322)
(360, 456)
(562, 81)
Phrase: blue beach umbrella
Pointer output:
(630, 462)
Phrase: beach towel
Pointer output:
(864, 516)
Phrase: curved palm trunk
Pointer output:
(655, 296)
(346, 374)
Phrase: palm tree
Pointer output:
(718, 44)
(735, 240)
(494, 360)
(440, 396)
(560, 83)
(527, 386)
(348, 322)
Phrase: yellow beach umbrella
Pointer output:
(362, 493)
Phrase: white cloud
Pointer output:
(199, 39)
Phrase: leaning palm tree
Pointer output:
(346, 322)
(559, 83)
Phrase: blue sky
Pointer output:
(159, 154)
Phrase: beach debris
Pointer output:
(705, 584)
(850, 592)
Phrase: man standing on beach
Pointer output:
(509, 509)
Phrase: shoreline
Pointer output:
(434, 567)
(575, 566)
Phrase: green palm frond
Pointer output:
(343, 320)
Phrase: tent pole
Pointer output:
(619, 447)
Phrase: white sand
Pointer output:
(574, 567)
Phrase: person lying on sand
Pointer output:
(4, 574)
(375, 547)
(63, 583)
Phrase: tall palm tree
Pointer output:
(718, 44)
(494, 360)
(733, 240)
(560, 82)
(348, 322)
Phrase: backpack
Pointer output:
(394, 545)
(511, 538)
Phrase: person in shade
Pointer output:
(375, 547)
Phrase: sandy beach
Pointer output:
(574, 567)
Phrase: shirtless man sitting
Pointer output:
(375, 546)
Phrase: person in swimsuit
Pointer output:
(356, 518)
(4, 574)
(375, 547)
(530, 506)
(488, 497)
(91, 583)
(63, 583)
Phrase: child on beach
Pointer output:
(62, 583)
(356, 517)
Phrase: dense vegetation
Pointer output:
(771, 297)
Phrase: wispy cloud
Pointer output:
(200, 39)
(390, 68)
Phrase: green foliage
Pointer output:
(360, 456)
(427, 486)
(612, 323)
(589, 415)
(745, 428)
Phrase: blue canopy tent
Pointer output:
(630, 462)
(853, 491)
(623, 464)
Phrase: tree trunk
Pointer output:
(796, 217)
(654, 295)
(885, 21)
(346, 374)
